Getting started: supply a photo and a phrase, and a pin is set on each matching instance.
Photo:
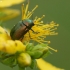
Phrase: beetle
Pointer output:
(21, 28)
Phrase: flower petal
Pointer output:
(42, 65)
(7, 3)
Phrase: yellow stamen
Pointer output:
(26, 7)
(35, 19)
(49, 42)
(32, 11)
(53, 29)
(23, 12)
(30, 15)
(52, 49)
(53, 33)
(40, 18)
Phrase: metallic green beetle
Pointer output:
(20, 29)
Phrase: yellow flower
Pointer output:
(8, 13)
(40, 29)
(7, 3)
(42, 65)
(5, 13)
(9, 46)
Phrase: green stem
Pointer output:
(21, 68)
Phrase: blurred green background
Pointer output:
(58, 11)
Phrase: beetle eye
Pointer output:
(30, 21)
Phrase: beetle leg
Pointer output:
(34, 31)
(29, 35)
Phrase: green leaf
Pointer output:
(39, 47)
(37, 54)
(46, 54)
(2, 55)
(29, 46)
(10, 61)
(38, 51)
(30, 53)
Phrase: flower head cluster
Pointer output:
(14, 53)
(23, 53)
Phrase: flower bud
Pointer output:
(19, 46)
(4, 34)
(1, 43)
(39, 50)
(9, 47)
(24, 59)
